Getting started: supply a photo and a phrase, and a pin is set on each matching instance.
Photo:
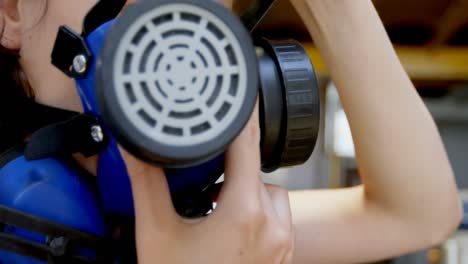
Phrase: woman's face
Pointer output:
(40, 20)
(31, 26)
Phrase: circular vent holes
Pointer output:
(180, 75)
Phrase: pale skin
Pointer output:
(408, 199)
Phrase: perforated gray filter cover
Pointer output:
(177, 80)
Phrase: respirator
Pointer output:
(172, 82)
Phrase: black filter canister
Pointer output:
(290, 104)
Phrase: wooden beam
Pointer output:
(454, 17)
(425, 64)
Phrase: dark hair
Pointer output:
(15, 94)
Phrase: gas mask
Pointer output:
(174, 83)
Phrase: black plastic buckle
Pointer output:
(71, 54)
(70, 48)
(82, 133)
(60, 240)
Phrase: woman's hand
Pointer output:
(251, 224)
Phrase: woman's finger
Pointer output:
(151, 195)
(242, 164)
(281, 205)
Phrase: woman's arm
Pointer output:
(408, 199)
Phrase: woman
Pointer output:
(408, 199)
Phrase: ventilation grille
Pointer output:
(180, 75)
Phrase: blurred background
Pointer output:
(431, 39)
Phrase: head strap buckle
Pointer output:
(71, 54)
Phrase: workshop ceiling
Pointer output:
(408, 22)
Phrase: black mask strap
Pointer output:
(39, 115)
(255, 13)
(29, 117)
(33, 117)
(79, 134)
(53, 132)
(62, 241)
